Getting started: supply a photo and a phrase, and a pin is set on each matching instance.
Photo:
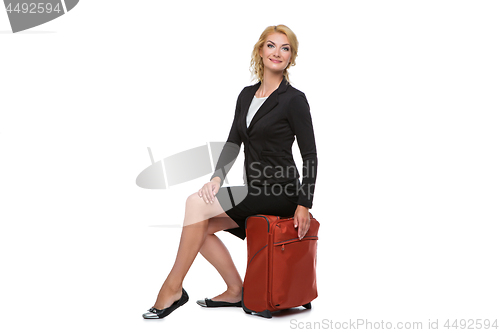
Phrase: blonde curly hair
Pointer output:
(256, 63)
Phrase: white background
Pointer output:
(404, 100)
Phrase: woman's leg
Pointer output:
(217, 254)
(194, 233)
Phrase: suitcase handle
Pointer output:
(291, 217)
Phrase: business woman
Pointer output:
(269, 116)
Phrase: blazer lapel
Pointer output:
(267, 106)
(245, 105)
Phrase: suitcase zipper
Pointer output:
(270, 271)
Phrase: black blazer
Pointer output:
(268, 142)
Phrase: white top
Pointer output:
(254, 106)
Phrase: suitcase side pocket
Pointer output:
(294, 272)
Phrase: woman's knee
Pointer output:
(195, 205)
(194, 201)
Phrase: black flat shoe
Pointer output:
(208, 303)
(154, 313)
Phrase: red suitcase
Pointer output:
(281, 269)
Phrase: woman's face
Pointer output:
(276, 52)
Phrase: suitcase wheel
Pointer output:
(266, 314)
(307, 306)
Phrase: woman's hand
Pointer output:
(302, 220)
(209, 190)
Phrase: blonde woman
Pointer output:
(269, 116)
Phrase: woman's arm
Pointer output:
(226, 160)
(231, 149)
(300, 120)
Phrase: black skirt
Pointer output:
(240, 202)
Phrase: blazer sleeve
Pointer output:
(299, 116)
(231, 148)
